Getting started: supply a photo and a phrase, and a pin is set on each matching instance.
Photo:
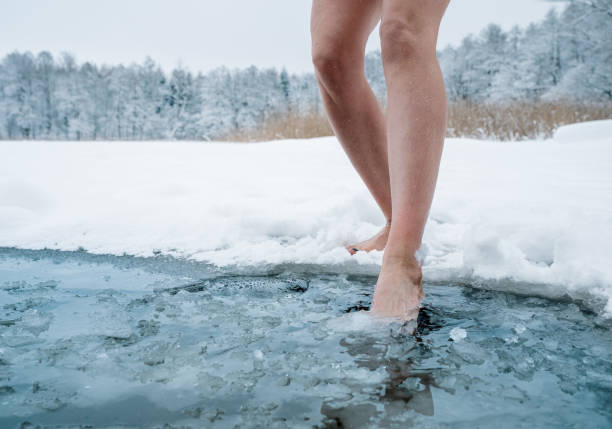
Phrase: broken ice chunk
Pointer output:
(458, 334)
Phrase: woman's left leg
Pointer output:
(416, 125)
(340, 30)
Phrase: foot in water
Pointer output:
(378, 242)
(399, 291)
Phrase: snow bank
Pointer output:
(585, 131)
(529, 216)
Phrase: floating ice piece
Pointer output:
(519, 329)
(458, 334)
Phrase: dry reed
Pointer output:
(289, 125)
(520, 120)
(507, 121)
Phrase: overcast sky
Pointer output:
(203, 34)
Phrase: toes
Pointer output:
(352, 250)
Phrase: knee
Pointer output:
(332, 63)
(325, 61)
(403, 39)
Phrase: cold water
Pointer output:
(158, 342)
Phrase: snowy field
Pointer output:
(533, 217)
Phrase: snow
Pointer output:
(585, 131)
(533, 217)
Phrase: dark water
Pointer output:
(105, 341)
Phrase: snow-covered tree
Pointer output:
(565, 56)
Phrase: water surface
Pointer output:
(146, 342)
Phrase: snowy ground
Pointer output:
(534, 217)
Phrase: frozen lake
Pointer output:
(111, 341)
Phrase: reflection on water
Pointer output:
(119, 341)
(403, 389)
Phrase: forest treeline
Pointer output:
(565, 58)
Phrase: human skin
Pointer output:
(398, 157)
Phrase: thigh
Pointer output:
(344, 24)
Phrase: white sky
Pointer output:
(203, 34)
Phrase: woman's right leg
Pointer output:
(340, 30)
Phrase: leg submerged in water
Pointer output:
(416, 125)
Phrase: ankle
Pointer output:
(408, 261)
(402, 257)
(409, 267)
(404, 248)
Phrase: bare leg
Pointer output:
(340, 30)
(416, 125)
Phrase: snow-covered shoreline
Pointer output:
(534, 214)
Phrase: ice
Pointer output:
(533, 217)
(458, 334)
(355, 321)
(467, 352)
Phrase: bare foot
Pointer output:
(378, 242)
(398, 292)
